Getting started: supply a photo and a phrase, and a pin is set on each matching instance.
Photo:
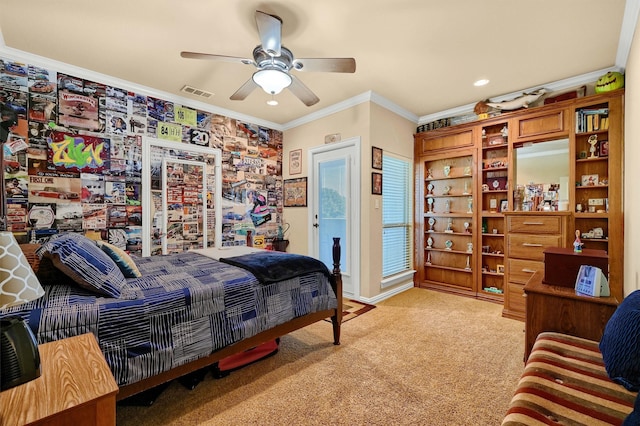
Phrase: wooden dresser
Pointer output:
(75, 387)
(528, 234)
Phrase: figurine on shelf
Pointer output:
(446, 190)
(577, 244)
(469, 247)
(505, 131)
(447, 206)
(449, 226)
(468, 265)
(429, 258)
(430, 203)
(430, 189)
(447, 170)
(431, 222)
(470, 205)
(429, 175)
(466, 227)
(466, 188)
(593, 141)
(429, 242)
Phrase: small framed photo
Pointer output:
(603, 149)
(589, 180)
(376, 183)
(295, 192)
(295, 162)
(500, 269)
(376, 158)
(504, 205)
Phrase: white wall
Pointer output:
(632, 169)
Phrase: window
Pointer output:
(396, 216)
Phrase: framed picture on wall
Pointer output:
(376, 158)
(376, 183)
(295, 192)
(295, 162)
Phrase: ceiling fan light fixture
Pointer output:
(271, 80)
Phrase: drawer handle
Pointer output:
(532, 223)
(531, 245)
(532, 271)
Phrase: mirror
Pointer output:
(542, 175)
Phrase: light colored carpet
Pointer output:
(419, 358)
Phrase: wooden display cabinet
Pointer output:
(597, 169)
(448, 256)
(494, 187)
(487, 149)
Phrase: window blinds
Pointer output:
(396, 217)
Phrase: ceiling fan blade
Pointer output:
(211, 57)
(325, 64)
(270, 30)
(302, 92)
(244, 90)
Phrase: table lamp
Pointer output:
(19, 356)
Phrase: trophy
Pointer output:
(449, 226)
(447, 206)
(447, 170)
(470, 205)
(430, 203)
(429, 242)
(430, 189)
(431, 222)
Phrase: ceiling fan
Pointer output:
(274, 63)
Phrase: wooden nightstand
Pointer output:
(75, 387)
(560, 309)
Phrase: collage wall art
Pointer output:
(73, 162)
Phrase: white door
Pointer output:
(334, 194)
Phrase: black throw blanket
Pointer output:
(273, 266)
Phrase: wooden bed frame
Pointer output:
(243, 345)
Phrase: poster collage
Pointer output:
(73, 162)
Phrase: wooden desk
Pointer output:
(560, 309)
(75, 387)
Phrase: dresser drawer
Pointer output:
(523, 246)
(520, 271)
(534, 224)
(516, 302)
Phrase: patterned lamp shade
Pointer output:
(18, 283)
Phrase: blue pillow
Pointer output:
(121, 258)
(620, 344)
(80, 259)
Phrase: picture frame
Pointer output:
(295, 162)
(589, 180)
(504, 205)
(500, 269)
(376, 158)
(376, 183)
(603, 149)
(295, 192)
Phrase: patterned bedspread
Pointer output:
(187, 306)
(565, 383)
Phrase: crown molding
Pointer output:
(30, 58)
(550, 87)
(629, 23)
(369, 96)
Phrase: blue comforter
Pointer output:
(186, 307)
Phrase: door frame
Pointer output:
(354, 255)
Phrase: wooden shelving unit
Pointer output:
(487, 149)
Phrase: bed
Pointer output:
(162, 317)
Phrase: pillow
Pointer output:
(620, 343)
(79, 258)
(121, 258)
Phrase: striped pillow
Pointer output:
(121, 258)
(80, 259)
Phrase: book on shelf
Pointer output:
(592, 120)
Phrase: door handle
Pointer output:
(315, 225)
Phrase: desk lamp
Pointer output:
(19, 356)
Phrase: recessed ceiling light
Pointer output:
(481, 82)
(272, 102)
